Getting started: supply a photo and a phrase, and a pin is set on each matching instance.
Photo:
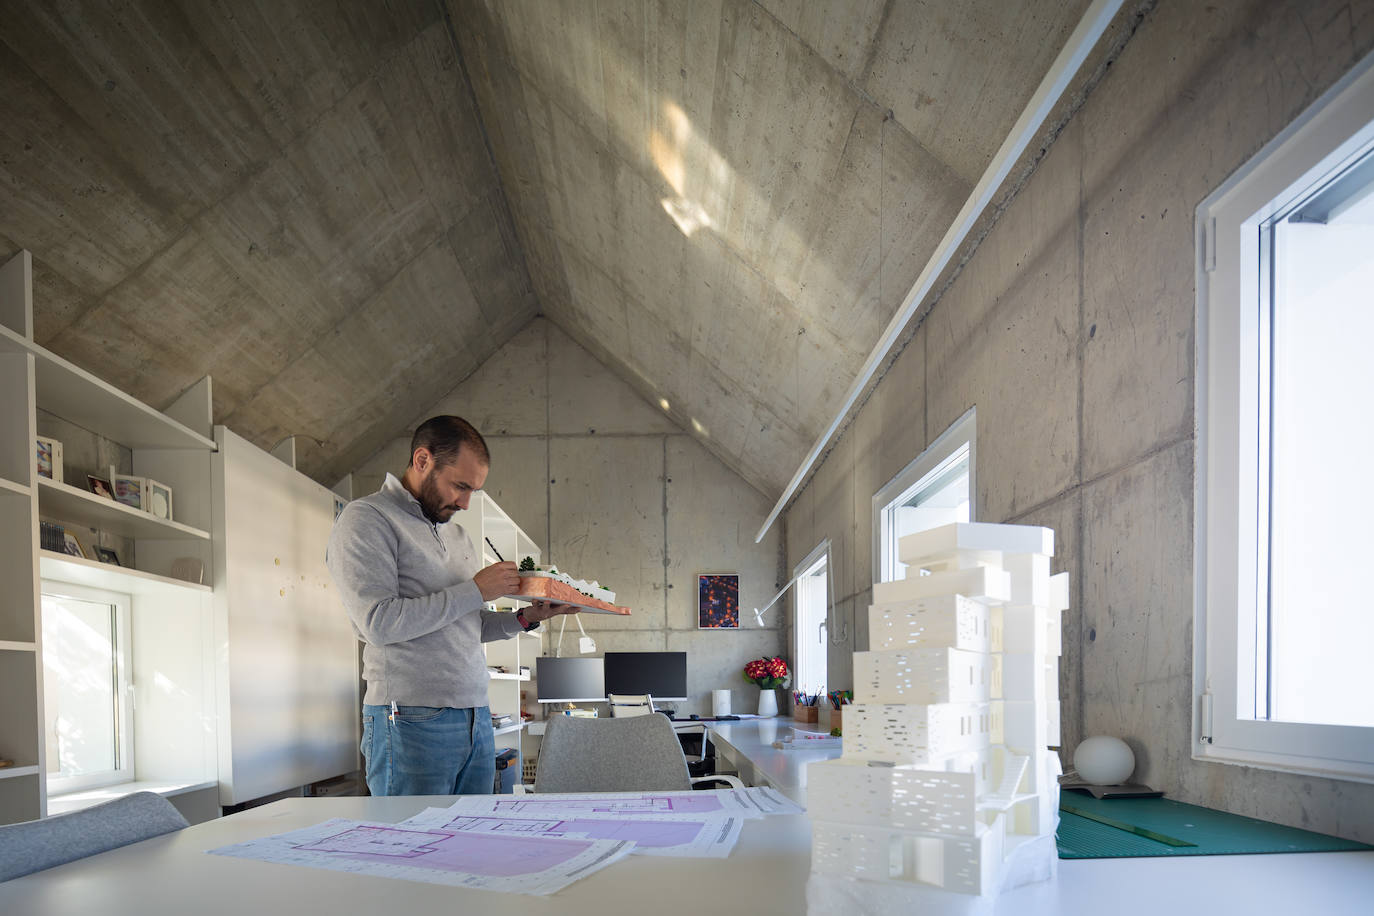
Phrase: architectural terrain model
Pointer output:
(546, 583)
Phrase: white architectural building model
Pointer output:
(947, 783)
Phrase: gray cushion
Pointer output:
(640, 754)
(35, 845)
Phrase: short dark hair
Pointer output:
(444, 435)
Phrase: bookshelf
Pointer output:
(503, 692)
(170, 618)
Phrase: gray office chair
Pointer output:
(629, 705)
(35, 845)
(639, 754)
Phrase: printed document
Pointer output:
(526, 864)
(756, 801)
(693, 836)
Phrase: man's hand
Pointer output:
(496, 580)
(543, 610)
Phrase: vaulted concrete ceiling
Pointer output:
(340, 209)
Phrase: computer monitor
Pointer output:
(663, 675)
(570, 680)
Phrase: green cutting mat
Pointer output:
(1164, 827)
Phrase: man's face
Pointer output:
(444, 490)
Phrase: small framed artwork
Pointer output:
(158, 499)
(131, 491)
(48, 453)
(106, 555)
(100, 486)
(71, 546)
(189, 569)
(718, 601)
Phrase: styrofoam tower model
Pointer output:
(947, 792)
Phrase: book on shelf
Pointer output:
(52, 536)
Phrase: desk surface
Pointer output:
(767, 873)
(751, 741)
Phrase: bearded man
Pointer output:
(416, 592)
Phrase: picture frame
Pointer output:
(71, 546)
(718, 601)
(189, 569)
(48, 458)
(157, 499)
(129, 490)
(100, 487)
(106, 555)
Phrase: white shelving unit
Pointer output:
(170, 618)
(503, 693)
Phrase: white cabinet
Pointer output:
(286, 655)
(170, 618)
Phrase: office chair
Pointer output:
(35, 845)
(628, 705)
(637, 754)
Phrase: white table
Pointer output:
(171, 874)
(748, 746)
(766, 874)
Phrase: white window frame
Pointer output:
(803, 569)
(124, 770)
(1229, 553)
(915, 475)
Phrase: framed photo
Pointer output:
(106, 555)
(48, 454)
(100, 486)
(71, 546)
(188, 569)
(718, 601)
(158, 499)
(131, 491)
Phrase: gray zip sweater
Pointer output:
(407, 586)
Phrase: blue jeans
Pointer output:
(429, 750)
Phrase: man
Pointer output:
(411, 583)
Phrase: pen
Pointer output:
(494, 550)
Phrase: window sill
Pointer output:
(87, 798)
(1351, 771)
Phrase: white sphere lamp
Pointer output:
(1104, 761)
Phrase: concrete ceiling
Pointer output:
(339, 210)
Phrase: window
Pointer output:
(1283, 499)
(934, 489)
(813, 621)
(87, 714)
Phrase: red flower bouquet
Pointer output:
(766, 672)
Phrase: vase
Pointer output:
(768, 702)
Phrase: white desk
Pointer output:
(748, 746)
(766, 874)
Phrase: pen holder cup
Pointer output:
(833, 719)
(804, 713)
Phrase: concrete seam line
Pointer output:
(1051, 89)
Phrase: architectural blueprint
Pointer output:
(531, 863)
(698, 836)
(753, 802)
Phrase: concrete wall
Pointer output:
(612, 489)
(1072, 331)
